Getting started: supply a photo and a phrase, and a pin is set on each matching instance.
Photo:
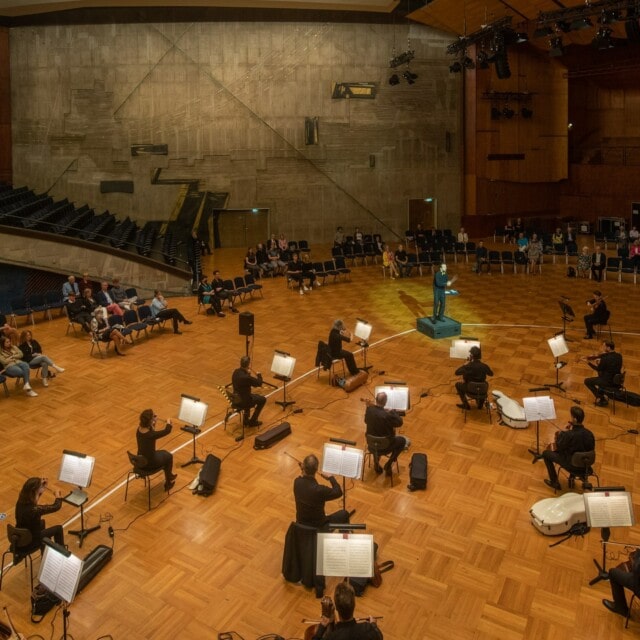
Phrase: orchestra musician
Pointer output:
(383, 423)
(623, 576)
(242, 381)
(608, 364)
(29, 513)
(574, 438)
(146, 436)
(598, 315)
(337, 336)
(311, 496)
(346, 627)
(474, 370)
(440, 283)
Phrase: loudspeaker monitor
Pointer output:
(245, 320)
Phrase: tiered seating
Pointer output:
(98, 227)
(122, 233)
(146, 237)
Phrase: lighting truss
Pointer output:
(577, 17)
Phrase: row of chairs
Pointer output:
(27, 306)
(237, 289)
(619, 267)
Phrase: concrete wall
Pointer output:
(229, 100)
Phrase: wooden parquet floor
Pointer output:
(468, 563)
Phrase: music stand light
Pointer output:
(282, 368)
(195, 413)
(363, 331)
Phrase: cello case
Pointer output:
(511, 413)
(556, 516)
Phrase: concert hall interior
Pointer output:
(467, 561)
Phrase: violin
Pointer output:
(553, 446)
(591, 358)
(328, 612)
(593, 304)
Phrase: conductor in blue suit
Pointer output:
(440, 283)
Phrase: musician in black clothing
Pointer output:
(220, 293)
(347, 627)
(337, 336)
(146, 436)
(621, 578)
(608, 364)
(29, 513)
(474, 370)
(598, 315)
(383, 423)
(311, 496)
(574, 438)
(242, 381)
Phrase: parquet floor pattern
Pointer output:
(468, 563)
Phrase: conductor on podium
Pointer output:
(440, 283)
(243, 380)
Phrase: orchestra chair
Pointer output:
(378, 447)
(616, 388)
(233, 406)
(140, 470)
(601, 326)
(299, 557)
(478, 391)
(326, 362)
(581, 469)
(635, 592)
(21, 547)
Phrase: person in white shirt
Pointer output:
(463, 236)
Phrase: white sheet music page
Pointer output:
(60, 574)
(606, 509)
(76, 469)
(539, 408)
(345, 462)
(193, 412)
(345, 555)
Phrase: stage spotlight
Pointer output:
(502, 65)
(602, 40)
(609, 16)
(507, 112)
(580, 23)
(394, 80)
(525, 112)
(495, 113)
(456, 67)
(483, 60)
(563, 25)
(410, 77)
(542, 32)
(556, 47)
(468, 63)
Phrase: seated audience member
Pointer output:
(509, 235)
(598, 263)
(85, 283)
(583, 268)
(160, 309)
(482, 258)
(572, 440)
(146, 436)
(243, 381)
(389, 260)
(634, 253)
(474, 370)
(119, 295)
(283, 247)
(33, 356)
(634, 234)
(308, 271)
(13, 365)
(420, 236)
(295, 273)
(522, 242)
(251, 265)
(534, 254)
(402, 261)
(347, 627)
(29, 513)
(220, 293)
(70, 286)
(463, 236)
(105, 299)
(263, 259)
(382, 423)
(337, 336)
(278, 266)
(338, 237)
(102, 331)
(7, 330)
(358, 237)
(206, 296)
(77, 311)
(557, 239)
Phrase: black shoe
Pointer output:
(169, 485)
(554, 485)
(178, 332)
(466, 407)
(187, 322)
(254, 423)
(173, 476)
(611, 605)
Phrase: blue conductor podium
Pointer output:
(446, 328)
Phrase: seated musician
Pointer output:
(598, 314)
(621, 578)
(242, 381)
(337, 336)
(310, 496)
(474, 370)
(383, 423)
(575, 438)
(347, 627)
(608, 364)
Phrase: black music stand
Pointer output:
(282, 368)
(567, 316)
(77, 468)
(194, 412)
(338, 460)
(536, 409)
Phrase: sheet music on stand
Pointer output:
(76, 468)
(192, 411)
(340, 554)
(398, 397)
(609, 509)
(539, 408)
(60, 571)
(460, 348)
(558, 346)
(283, 364)
(342, 460)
